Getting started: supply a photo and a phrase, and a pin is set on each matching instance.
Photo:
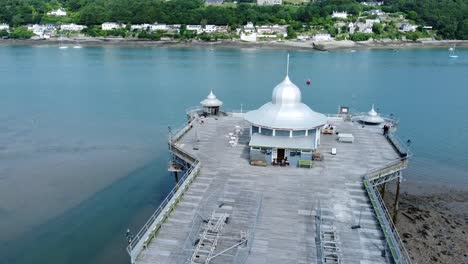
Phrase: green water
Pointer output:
(84, 102)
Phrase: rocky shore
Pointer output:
(237, 44)
(432, 222)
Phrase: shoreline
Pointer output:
(236, 44)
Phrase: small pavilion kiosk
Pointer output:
(372, 118)
(284, 131)
(211, 105)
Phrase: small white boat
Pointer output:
(62, 46)
(77, 47)
(453, 53)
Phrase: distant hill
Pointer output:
(448, 17)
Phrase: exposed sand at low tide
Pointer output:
(433, 222)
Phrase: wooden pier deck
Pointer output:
(275, 207)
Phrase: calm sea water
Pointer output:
(106, 105)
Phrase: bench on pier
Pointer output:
(349, 138)
(258, 163)
(305, 164)
(396, 143)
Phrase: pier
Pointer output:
(330, 213)
(279, 184)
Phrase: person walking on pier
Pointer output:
(385, 130)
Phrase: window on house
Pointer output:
(267, 132)
(311, 132)
(295, 152)
(254, 129)
(282, 133)
(298, 133)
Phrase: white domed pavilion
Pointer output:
(372, 117)
(284, 129)
(211, 104)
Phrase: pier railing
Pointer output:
(394, 242)
(401, 147)
(144, 237)
(154, 223)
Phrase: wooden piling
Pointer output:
(395, 205)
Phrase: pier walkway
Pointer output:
(270, 214)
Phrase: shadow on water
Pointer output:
(94, 231)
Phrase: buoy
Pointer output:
(308, 82)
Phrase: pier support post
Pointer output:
(397, 196)
(383, 189)
(176, 177)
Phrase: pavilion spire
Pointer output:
(287, 67)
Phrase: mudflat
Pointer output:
(433, 224)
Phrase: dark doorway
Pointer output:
(280, 155)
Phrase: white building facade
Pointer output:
(58, 12)
(111, 26)
(284, 131)
(4, 26)
(342, 15)
(196, 28)
(72, 27)
(321, 37)
(269, 2)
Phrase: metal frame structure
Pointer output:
(328, 250)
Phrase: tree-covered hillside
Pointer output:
(449, 17)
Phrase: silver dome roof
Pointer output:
(286, 111)
(372, 117)
(211, 101)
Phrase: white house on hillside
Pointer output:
(377, 3)
(209, 28)
(4, 27)
(269, 2)
(72, 27)
(321, 37)
(406, 27)
(59, 12)
(280, 30)
(140, 27)
(197, 28)
(157, 26)
(110, 26)
(336, 14)
(222, 29)
(249, 28)
(371, 22)
(249, 37)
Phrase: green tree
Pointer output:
(358, 36)
(291, 33)
(377, 28)
(93, 14)
(4, 33)
(21, 33)
(344, 29)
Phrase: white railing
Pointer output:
(142, 239)
(394, 242)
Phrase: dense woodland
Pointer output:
(448, 17)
